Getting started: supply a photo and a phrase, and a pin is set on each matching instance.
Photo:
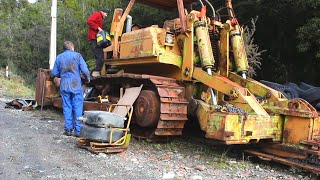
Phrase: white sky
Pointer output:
(32, 1)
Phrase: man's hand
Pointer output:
(100, 29)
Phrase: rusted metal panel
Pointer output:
(307, 167)
(177, 117)
(290, 151)
(230, 128)
(87, 105)
(119, 29)
(316, 129)
(147, 46)
(45, 88)
(139, 43)
(115, 20)
(297, 129)
(188, 50)
(284, 151)
(169, 92)
(168, 132)
(254, 128)
(170, 124)
(174, 108)
(224, 60)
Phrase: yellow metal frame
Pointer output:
(125, 139)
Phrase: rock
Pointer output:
(165, 157)
(169, 175)
(123, 154)
(258, 168)
(134, 160)
(196, 156)
(195, 177)
(200, 167)
(232, 162)
(102, 155)
(180, 157)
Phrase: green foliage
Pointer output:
(15, 87)
(289, 31)
(252, 49)
(147, 16)
(310, 41)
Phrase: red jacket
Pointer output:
(94, 21)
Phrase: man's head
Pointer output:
(68, 45)
(105, 12)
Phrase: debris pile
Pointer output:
(24, 104)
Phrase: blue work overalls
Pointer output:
(68, 66)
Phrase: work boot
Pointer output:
(67, 133)
(95, 73)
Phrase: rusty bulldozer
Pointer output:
(194, 68)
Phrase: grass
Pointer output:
(14, 87)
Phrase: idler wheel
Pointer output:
(147, 109)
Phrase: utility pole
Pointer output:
(53, 38)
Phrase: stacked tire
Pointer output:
(291, 90)
(98, 125)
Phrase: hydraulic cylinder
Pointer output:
(205, 51)
(239, 53)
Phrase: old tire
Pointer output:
(305, 86)
(289, 92)
(296, 88)
(147, 109)
(312, 95)
(99, 134)
(103, 119)
(318, 107)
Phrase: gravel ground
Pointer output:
(33, 147)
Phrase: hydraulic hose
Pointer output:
(213, 10)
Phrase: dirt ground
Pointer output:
(33, 147)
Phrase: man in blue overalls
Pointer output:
(68, 66)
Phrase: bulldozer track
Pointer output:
(173, 105)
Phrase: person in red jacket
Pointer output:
(95, 23)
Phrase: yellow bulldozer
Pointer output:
(194, 68)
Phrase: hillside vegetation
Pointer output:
(15, 87)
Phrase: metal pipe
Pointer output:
(213, 11)
(213, 96)
(42, 94)
(201, 3)
(53, 39)
(7, 71)
(244, 75)
(129, 23)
